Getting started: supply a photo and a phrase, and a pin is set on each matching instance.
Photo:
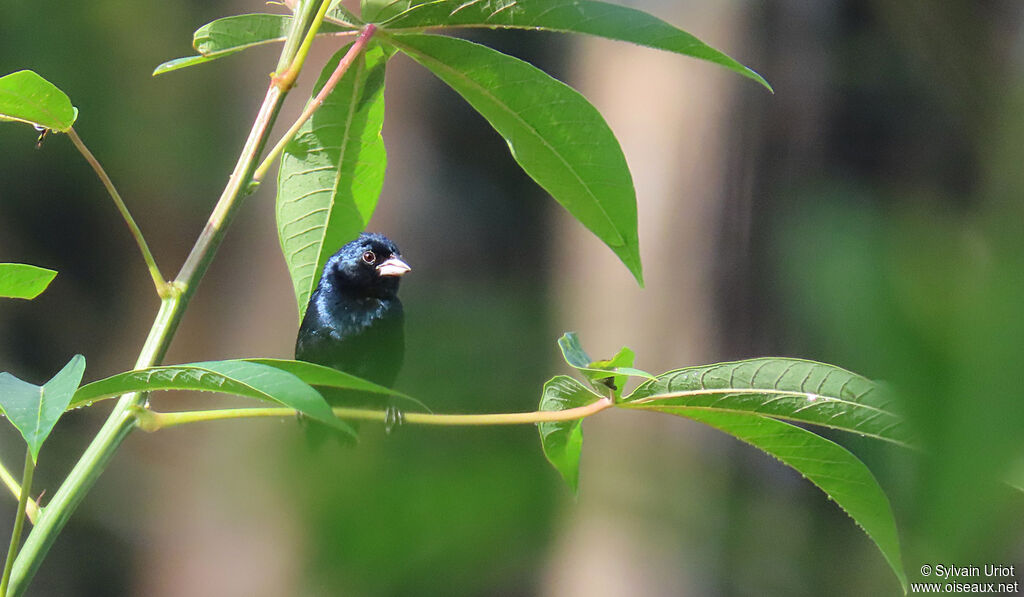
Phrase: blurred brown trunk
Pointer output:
(634, 530)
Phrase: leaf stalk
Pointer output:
(32, 507)
(343, 65)
(140, 240)
(19, 521)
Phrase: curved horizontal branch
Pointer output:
(150, 420)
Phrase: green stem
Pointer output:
(121, 420)
(31, 508)
(286, 79)
(343, 66)
(19, 520)
(147, 256)
(150, 420)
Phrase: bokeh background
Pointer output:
(869, 213)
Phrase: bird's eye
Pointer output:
(369, 258)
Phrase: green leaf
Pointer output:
(603, 375)
(33, 409)
(342, 16)
(791, 389)
(27, 97)
(241, 378)
(566, 16)
(379, 10)
(18, 280)
(332, 171)
(562, 441)
(553, 132)
(229, 35)
(837, 472)
(318, 375)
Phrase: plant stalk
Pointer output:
(357, 48)
(147, 256)
(19, 520)
(150, 420)
(121, 420)
(31, 508)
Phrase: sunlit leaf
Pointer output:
(229, 35)
(553, 132)
(241, 378)
(18, 280)
(837, 472)
(318, 375)
(791, 389)
(566, 16)
(33, 409)
(27, 97)
(610, 374)
(562, 441)
(332, 171)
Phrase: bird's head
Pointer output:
(369, 266)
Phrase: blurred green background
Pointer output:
(869, 214)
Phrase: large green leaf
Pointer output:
(837, 472)
(33, 409)
(554, 133)
(562, 441)
(18, 280)
(792, 389)
(27, 97)
(241, 378)
(566, 16)
(332, 171)
(229, 35)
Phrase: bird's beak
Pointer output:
(393, 267)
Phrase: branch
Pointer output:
(150, 420)
(121, 420)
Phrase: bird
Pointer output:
(354, 320)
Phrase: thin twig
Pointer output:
(162, 288)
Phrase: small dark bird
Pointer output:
(354, 320)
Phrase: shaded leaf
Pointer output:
(837, 472)
(565, 16)
(229, 35)
(27, 97)
(792, 389)
(553, 132)
(562, 441)
(33, 409)
(332, 171)
(18, 280)
(241, 378)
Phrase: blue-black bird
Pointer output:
(354, 320)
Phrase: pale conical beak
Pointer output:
(393, 267)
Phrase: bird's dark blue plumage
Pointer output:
(354, 320)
